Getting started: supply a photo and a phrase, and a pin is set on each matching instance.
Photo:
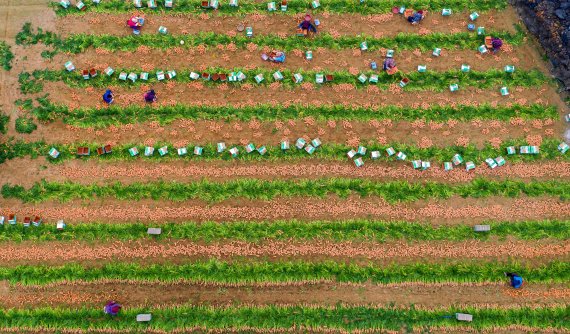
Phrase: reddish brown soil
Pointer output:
(26, 172)
(53, 253)
(379, 25)
(341, 94)
(183, 133)
(149, 294)
(452, 211)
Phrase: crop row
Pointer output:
(80, 42)
(299, 318)
(219, 272)
(548, 151)
(255, 189)
(253, 231)
(431, 80)
(6, 56)
(113, 115)
(296, 318)
(293, 6)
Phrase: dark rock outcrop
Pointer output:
(549, 21)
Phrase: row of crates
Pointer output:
(301, 143)
(13, 220)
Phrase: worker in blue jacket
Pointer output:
(516, 280)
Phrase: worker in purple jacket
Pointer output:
(307, 26)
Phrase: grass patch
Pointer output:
(25, 125)
(6, 56)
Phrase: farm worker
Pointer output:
(307, 26)
(108, 97)
(150, 96)
(416, 17)
(390, 66)
(276, 56)
(496, 43)
(516, 280)
(112, 308)
(135, 23)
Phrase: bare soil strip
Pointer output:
(226, 57)
(54, 253)
(196, 93)
(26, 172)
(140, 294)
(379, 25)
(452, 211)
(353, 133)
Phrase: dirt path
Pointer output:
(325, 59)
(452, 211)
(26, 172)
(182, 251)
(140, 294)
(249, 94)
(353, 133)
(379, 25)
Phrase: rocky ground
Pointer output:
(549, 21)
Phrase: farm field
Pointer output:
(285, 204)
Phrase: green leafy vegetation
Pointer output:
(273, 317)
(254, 231)
(25, 125)
(80, 42)
(437, 81)
(293, 6)
(255, 189)
(548, 151)
(4, 119)
(114, 115)
(6, 56)
(215, 271)
(28, 84)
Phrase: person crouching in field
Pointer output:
(307, 26)
(150, 96)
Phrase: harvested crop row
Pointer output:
(454, 211)
(247, 272)
(325, 59)
(255, 189)
(346, 95)
(430, 80)
(81, 42)
(96, 293)
(256, 231)
(263, 24)
(548, 151)
(26, 171)
(294, 6)
(181, 251)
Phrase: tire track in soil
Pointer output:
(323, 59)
(94, 294)
(378, 25)
(438, 212)
(184, 251)
(26, 171)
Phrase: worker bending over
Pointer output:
(306, 26)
